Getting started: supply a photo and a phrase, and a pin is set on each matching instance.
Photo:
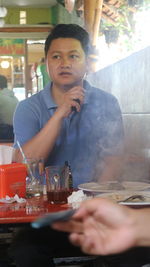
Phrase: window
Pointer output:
(23, 17)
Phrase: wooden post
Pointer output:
(89, 14)
(92, 17)
(97, 19)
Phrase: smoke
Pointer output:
(128, 80)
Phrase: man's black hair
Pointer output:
(3, 82)
(69, 31)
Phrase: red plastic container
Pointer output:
(13, 180)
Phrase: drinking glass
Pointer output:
(35, 179)
(57, 185)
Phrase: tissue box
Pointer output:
(13, 180)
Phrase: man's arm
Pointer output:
(42, 143)
(102, 227)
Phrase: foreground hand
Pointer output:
(69, 101)
(101, 227)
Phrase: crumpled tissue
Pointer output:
(6, 154)
(16, 198)
(76, 198)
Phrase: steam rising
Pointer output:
(128, 80)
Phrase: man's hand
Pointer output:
(70, 100)
(101, 227)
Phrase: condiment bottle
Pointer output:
(69, 174)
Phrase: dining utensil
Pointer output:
(133, 197)
(132, 186)
(115, 186)
(25, 161)
(136, 185)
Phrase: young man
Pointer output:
(67, 121)
(70, 120)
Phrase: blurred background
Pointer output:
(117, 28)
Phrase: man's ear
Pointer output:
(47, 69)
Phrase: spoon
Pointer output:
(56, 180)
(133, 197)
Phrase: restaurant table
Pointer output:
(17, 215)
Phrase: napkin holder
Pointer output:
(13, 180)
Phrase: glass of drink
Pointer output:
(35, 179)
(57, 185)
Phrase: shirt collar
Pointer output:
(47, 94)
(87, 88)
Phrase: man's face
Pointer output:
(66, 62)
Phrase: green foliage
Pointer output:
(124, 24)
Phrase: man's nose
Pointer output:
(65, 62)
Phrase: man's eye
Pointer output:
(56, 57)
(74, 56)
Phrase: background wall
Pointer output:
(129, 81)
(54, 15)
(34, 15)
(35, 53)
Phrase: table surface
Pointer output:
(15, 213)
(33, 208)
(29, 211)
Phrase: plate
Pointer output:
(120, 196)
(101, 187)
(113, 186)
(135, 185)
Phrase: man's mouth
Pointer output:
(63, 73)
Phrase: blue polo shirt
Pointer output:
(86, 137)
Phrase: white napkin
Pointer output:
(16, 198)
(76, 198)
(6, 154)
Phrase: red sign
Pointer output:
(12, 47)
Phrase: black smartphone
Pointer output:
(78, 101)
(52, 217)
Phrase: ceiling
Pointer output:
(28, 3)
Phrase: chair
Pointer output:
(6, 132)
